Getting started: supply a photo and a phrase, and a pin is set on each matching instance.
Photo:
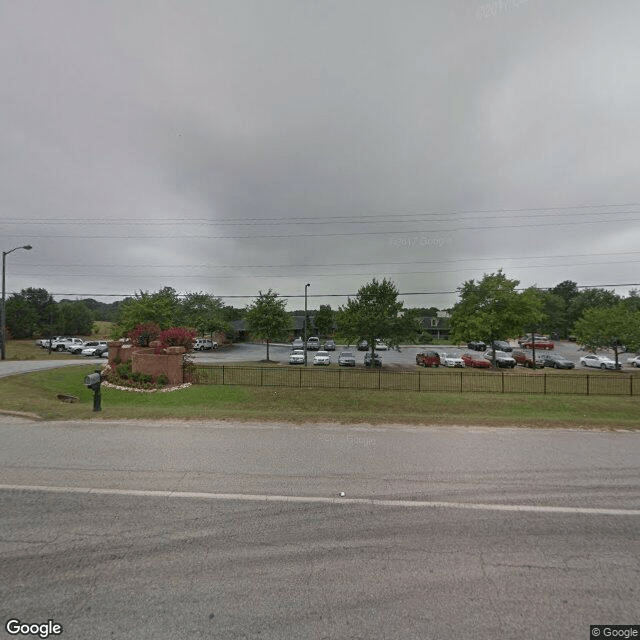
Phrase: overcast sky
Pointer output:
(236, 146)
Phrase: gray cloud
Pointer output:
(161, 144)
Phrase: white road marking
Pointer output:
(325, 500)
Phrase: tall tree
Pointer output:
(324, 320)
(612, 327)
(202, 311)
(30, 312)
(590, 299)
(267, 319)
(74, 317)
(161, 307)
(376, 314)
(491, 309)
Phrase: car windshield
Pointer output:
(346, 354)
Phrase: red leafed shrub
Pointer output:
(176, 337)
(144, 333)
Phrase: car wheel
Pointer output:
(59, 348)
(603, 366)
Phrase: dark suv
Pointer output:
(501, 345)
(376, 361)
(476, 345)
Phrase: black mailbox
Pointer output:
(92, 380)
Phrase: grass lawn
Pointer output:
(36, 393)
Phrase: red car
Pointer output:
(540, 344)
(471, 361)
(526, 359)
(428, 359)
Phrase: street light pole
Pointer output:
(3, 315)
(306, 286)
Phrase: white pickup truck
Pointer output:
(65, 343)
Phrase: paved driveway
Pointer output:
(13, 367)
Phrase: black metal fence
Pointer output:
(607, 383)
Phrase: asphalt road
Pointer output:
(219, 530)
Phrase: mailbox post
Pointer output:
(92, 381)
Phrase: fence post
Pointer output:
(379, 377)
(223, 375)
(460, 380)
(545, 384)
(630, 384)
(261, 377)
(503, 382)
(419, 380)
(587, 384)
(339, 378)
(300, 378)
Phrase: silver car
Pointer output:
(296, 357)
(598, 362)
(322, 358)
(346, 359)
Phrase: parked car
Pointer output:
(529, 337)
(204, 344)
(313, 343)
(475, 362)
(476, 345)
(346, 359)
(298, 343)
(329, 345)
(428, 358)
(634, 362)
(66, 343)
(95, 348)
(501, 345)
(322, 358)
(556, 361)
(76, 348)
(451, 360)
(375, 361)
(598, 362)
(363, 345)
(503, 359)
(44, 342)
(539, 344)
(381, 346)
(296, 356)
(526, 359)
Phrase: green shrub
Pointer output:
(162, 380)
(124, 371)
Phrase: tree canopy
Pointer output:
(614, 327)
(376, 314)
(492, 309)
(267, 319)
(324, 320)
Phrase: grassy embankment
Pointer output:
(36, 393)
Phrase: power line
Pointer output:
(147, 237)
(331, 218)
(324, 275)
(333, 295)
(335, 264)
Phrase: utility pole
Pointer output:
(3, 313)
(306, 286)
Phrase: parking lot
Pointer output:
(405, 357)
